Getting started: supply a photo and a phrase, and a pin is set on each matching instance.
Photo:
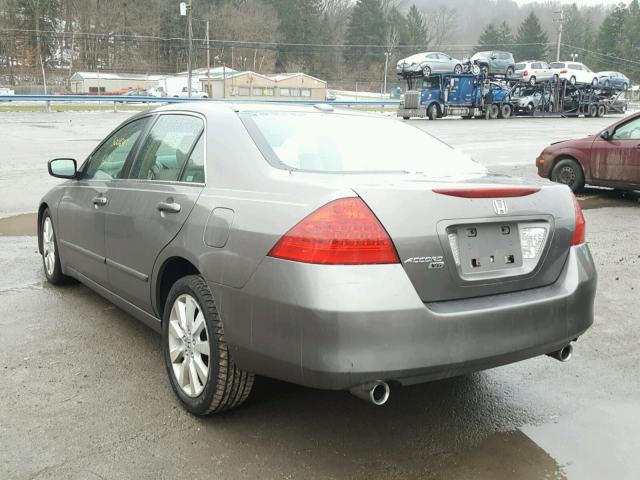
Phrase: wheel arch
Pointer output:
(172, 269)
(566, 156)
(43, 206)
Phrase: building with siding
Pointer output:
(255, 86)
(111, 83)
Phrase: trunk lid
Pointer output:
(454, 247)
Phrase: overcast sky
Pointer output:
(582, 2)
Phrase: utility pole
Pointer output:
(561, 21)
(208, 53)
(386, 65)
(190, 33)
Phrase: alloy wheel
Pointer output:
(48, 247)
(189, 347)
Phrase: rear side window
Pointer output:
(521, 66)
(338, 143)
(575, 66)
(167, 147)
(194, 170)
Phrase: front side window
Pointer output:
(628, 131)
(107, 161)
(337, 143)
(166, 148)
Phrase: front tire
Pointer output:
(50, 256)
(426, 71)
(432, 112)
(196, 355)
(572, 80)
(568, 172)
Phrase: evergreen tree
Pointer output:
(365, 32)
(489, 39)
(505, 37)
(532, 40)
(417, 31)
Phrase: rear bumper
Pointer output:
(336, 327)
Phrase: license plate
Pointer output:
(489, 247)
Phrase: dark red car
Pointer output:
(610, 158)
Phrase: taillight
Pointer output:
(342, 232)
(564, 70)
(581, 224)
(487, 192)
(526, 73)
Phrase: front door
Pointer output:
(617, 160)
(148, 209)
(81, 211)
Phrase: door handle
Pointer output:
(638, 146)
(169, 207)
(99, 201)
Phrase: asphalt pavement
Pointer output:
(85, 395)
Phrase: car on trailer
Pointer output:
(575, 73)
(611, 158)
(527, 99)
(495, 62)
(615, 80)
(533, 71)
(427, 63)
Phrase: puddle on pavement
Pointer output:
(504, 456)
(19, 225)
(597, 443)
(600, 198)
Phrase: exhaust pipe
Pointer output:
(375, 392)
(564, 354)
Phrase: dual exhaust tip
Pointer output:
(378, 392)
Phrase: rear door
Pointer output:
(617, 160)
(81, 211)
(149, 208)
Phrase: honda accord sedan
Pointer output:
(611, 158)
(301, 244)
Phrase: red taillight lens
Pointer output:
(564, 70)
(487, 192)
(581, 225)
(342, 232)
(526, 73)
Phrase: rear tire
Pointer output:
(506, 110)
(492, 112)
(50, 253)
(457, 69)
(572, 80)
(509, 72)
(184, 337)
(568, 172)
(602, 111)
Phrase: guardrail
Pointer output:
(116, 99)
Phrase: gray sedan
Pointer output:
(427, 63)
(299, 243)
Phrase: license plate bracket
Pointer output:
(489, 247)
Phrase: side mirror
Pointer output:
(606, 135)
(63, 168)
(493, 57)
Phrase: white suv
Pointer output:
(575, 72)
(533, 71)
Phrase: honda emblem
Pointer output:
(500, 206)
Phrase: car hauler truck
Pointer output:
(463, 94)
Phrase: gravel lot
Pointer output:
(85, 394)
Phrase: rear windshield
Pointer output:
(336, 143)
(521, 66)
(556, 65)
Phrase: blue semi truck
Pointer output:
(463, 94)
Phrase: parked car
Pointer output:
(157, 91)
(533, 71)
(427, 63)
(574, 73)
(6, 91)
(495, 62)
(528, 100)
(258, 241)
(613, 80)
(611, 158)
(195, 93)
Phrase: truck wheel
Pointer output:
(593, 110)
(602, 111)
(505, 110)
(568, 172)
(432, 111)
(196, 355)
(492, 112)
